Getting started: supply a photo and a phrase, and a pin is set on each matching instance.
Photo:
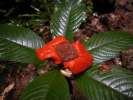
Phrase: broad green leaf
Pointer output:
(52, 86)
(114, 85)
(107, 45)
(67, 18)
(18, 44)
(20, 35)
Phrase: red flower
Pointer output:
(74, 56)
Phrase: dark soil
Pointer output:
(118, 16)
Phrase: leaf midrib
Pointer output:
(66, 27)
(16, 43)
(99, 82)
(104, 44)
(68, 22)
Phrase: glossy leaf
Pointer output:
(18, 44)
(107, 45)
(67, 18)
(47, 87)
(114, 85)
(20, 35)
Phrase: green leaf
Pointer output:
(107, 45)
(20, 35)
(67, 18)
(18, 44)
(114, 85)
(47, 87)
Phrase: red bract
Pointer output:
(48, 50)
(78, 60)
